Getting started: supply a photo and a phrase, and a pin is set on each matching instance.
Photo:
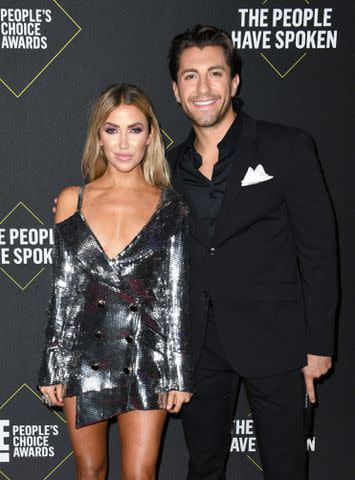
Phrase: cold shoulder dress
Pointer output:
(117, 335)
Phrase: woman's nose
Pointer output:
(123, 141)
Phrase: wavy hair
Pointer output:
(154, 165)
(203, 36)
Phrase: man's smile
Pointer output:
(204, 103)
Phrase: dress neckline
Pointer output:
(134, 239)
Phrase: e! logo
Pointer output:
(4, 448)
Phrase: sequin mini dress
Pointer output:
(117, 335)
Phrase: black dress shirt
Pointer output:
(206, 195)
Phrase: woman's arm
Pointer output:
(52, 367)
(179, 359)
(52, 364)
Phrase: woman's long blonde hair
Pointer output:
(154, 165)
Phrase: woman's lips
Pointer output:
(123, 156)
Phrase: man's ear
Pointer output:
(176, 92)
(235, 84)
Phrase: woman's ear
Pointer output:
(149, 138)
(99, 141)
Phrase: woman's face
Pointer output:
(124, 137)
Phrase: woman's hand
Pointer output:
(176, 399)
(54, 207)
(53, 395)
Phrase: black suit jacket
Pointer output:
(271, 266)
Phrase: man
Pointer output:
(262, 264)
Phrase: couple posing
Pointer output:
(174, 282)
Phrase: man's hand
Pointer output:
(316, 367)
(176, 399)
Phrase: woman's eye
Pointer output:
(136, 130)
(110, 130)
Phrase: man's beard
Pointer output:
(215, 119)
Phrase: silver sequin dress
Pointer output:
(117, 334)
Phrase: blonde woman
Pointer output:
(117, 342)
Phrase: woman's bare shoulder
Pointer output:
(66, 203)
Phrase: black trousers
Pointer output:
(276, 404)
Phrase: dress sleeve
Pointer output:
(179, 358)
(52, 367)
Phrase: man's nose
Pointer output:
(203, 86)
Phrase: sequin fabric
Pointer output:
(117, 335)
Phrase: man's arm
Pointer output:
(313, 226)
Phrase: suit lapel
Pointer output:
(196, 226)
(245, 154)
(244, 157)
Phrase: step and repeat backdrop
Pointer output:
(55, 57)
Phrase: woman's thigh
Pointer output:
(89, 443)
(140, 435)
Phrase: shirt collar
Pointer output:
(228, 142)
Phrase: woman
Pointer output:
(117, 341)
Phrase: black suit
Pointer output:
(270, 269)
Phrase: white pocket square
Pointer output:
(255, 176)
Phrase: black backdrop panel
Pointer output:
(54, 59)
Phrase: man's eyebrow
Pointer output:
(217, 67)
(186, 70)
(194, 70)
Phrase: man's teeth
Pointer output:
(205, 102)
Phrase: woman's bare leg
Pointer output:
(89, 445)
(140, 434)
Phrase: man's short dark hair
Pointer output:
(202, 36)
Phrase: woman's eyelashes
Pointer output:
(137, 130)
(110, 130)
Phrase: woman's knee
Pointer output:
(139, 473)
(87, 470)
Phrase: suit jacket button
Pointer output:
(95, 366)
(126, 370)
(133, 307)
(129, 339)
(212, 251)
(98, 334)
(101, 303)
